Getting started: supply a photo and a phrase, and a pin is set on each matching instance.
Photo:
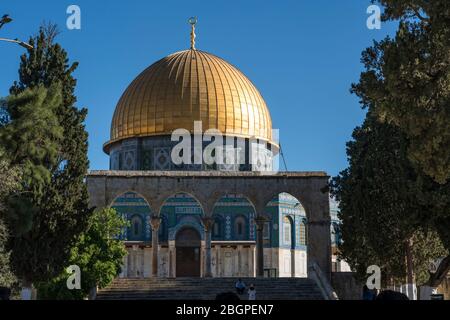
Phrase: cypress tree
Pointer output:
(59, 202)
(407, 79)
(382, 203)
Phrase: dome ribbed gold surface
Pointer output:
(190, 86)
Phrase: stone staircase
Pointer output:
(208, 288)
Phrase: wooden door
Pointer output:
(187, 245)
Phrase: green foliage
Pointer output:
(98, 253)
(9, 180)
(44, 133)
(397, 185)
(386, 194)
(31, 139)
(9, 184)
(7, 278)
(382, 204)
(426, 247)
(33, 136)
(407, 81)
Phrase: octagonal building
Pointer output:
(197, 219)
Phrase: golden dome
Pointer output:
(189, 86)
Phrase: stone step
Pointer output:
(193, 288)
(259, 297)
(212, 281)
(207, 289)
(206, 284)
(209, 296)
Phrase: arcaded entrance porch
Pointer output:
(207, 188)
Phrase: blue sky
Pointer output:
(302, 56)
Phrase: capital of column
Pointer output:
(208, 223)
(155, 223)
(260, 221)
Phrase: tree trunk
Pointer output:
(410, 276)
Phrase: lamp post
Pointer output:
(20, 43)
(6, 19)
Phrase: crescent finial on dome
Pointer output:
(193, 21)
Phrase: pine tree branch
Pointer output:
(440, 274)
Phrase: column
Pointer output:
(142, 256)
(172, 258)
(208, 223)
(217, 249)
(239, 261)
(260, 221)
(250, 272)
(220, 261)
(155, 222)
(293, 263)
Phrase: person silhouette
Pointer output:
(251, 292)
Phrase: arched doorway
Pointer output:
(187, 244)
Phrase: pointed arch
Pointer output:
(134, 208)
(235, 215)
